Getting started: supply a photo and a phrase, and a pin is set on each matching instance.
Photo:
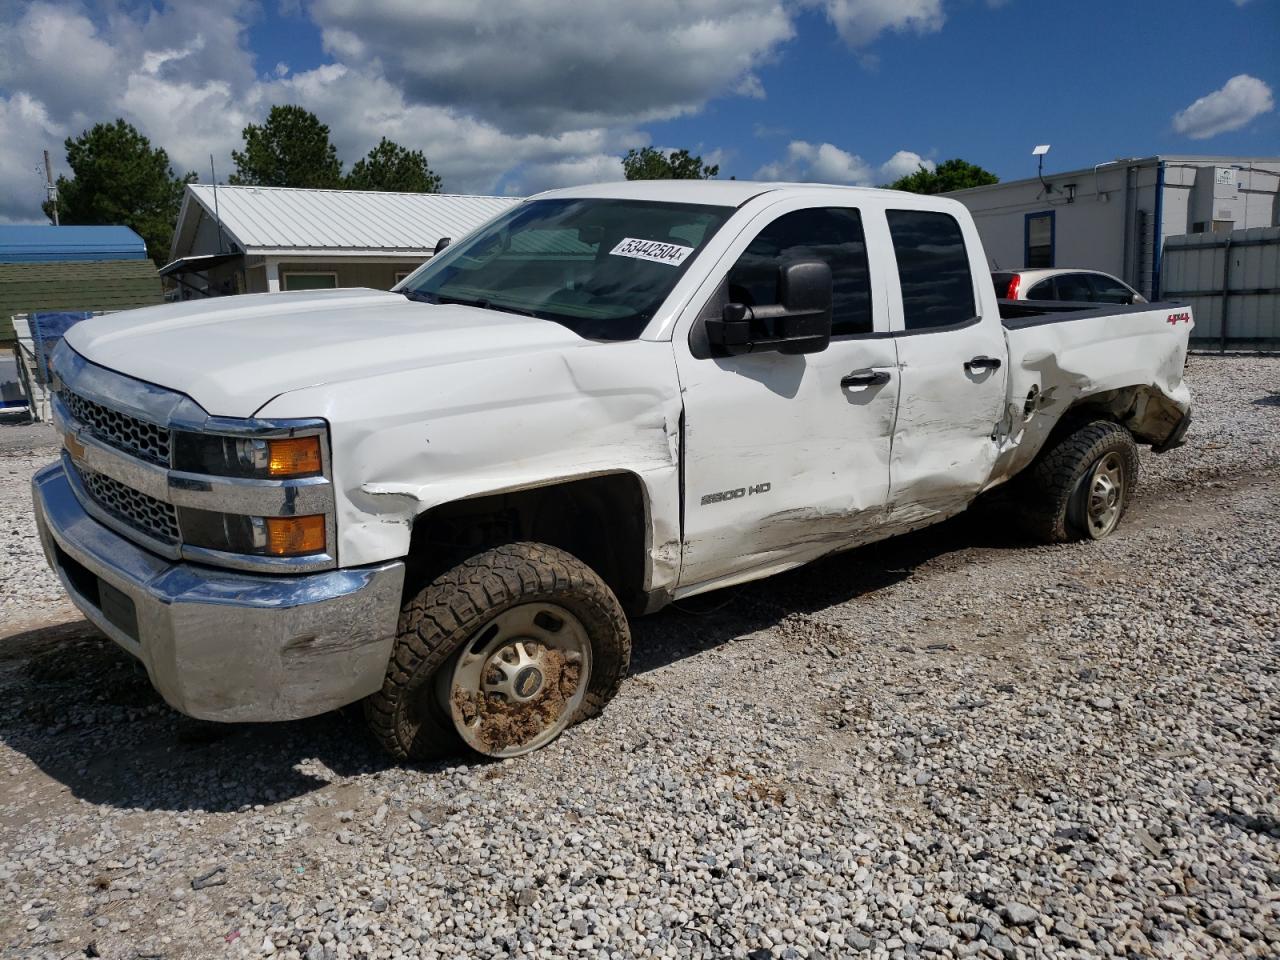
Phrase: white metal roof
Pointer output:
(287, 220)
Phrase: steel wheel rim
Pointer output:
(512, 687)
(1104, 495)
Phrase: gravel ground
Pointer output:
(954, 744)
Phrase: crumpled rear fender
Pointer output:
(1125, 367)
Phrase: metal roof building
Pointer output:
(237, 239)
(45, 244)
(96, 268)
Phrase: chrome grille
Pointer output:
(153, 517)
(134, 436)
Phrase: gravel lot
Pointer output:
(955, 744)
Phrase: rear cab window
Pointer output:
(933, 269)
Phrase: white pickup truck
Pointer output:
(446, 499)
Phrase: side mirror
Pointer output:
(800, 323)
(442, 243)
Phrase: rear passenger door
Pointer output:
(952, 369)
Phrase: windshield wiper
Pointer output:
(482, 303)
(420, 297)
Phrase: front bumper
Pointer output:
(217, 644)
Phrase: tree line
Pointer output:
(118, 177)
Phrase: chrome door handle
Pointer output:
(865, 378)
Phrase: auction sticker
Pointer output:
(651, 250)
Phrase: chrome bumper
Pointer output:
(218, 644)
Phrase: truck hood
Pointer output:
(232, 355)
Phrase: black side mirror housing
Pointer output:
(442, 243)
(801, 322)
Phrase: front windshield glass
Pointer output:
(600, 267)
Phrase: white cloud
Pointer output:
(556, 65)
(520, 95)
(827, 163)
(859, 22)
(25, 130)
(1238, 101)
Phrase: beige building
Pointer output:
(232, 239)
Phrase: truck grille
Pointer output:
(133, 436)
(153, 517)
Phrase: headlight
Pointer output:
(274, 459)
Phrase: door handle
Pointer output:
(865, 378)
(982, 363)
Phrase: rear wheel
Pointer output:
(501, 654)
(1081, 484)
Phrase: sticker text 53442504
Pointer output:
(652, 250)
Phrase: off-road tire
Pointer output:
(404, 715)
(1052, 490)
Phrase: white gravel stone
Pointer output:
(871, 757)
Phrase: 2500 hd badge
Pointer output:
(735, 494)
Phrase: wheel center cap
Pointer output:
(528, 682)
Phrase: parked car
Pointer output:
(446, 499)
(1076, 286)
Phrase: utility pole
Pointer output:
(50, 188)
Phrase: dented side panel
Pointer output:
(409, 441)
(1128, 366)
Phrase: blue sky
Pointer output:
(526, 94)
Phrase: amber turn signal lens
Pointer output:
(292, 536)
(294, 457)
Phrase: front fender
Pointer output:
(408, 442)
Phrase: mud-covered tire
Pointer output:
(406, 717)
(1053, 492)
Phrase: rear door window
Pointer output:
(1043, 290)
(933, 268)
(1106, 290)
(1076, 287)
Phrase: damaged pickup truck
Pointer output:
(445, 500)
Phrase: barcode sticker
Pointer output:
(653, 251)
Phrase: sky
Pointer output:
(516, 96)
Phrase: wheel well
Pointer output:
(1148, 413)
(600, 520)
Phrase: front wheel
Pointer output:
(501, 654)
(1081, 484)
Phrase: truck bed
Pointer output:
(1128, 359)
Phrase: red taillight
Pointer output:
(1014, 284)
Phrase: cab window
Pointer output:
(933, 268)
(830, 234)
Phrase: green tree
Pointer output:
(119, 178)
(292, 149)
(392, 167)
(649, 163)
(947, 176)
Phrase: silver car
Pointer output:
(1079, 286)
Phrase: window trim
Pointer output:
(285, 274)
(1053, 239)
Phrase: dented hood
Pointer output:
(232, 355)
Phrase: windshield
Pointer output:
(600, 267)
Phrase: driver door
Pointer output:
(786, 457)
